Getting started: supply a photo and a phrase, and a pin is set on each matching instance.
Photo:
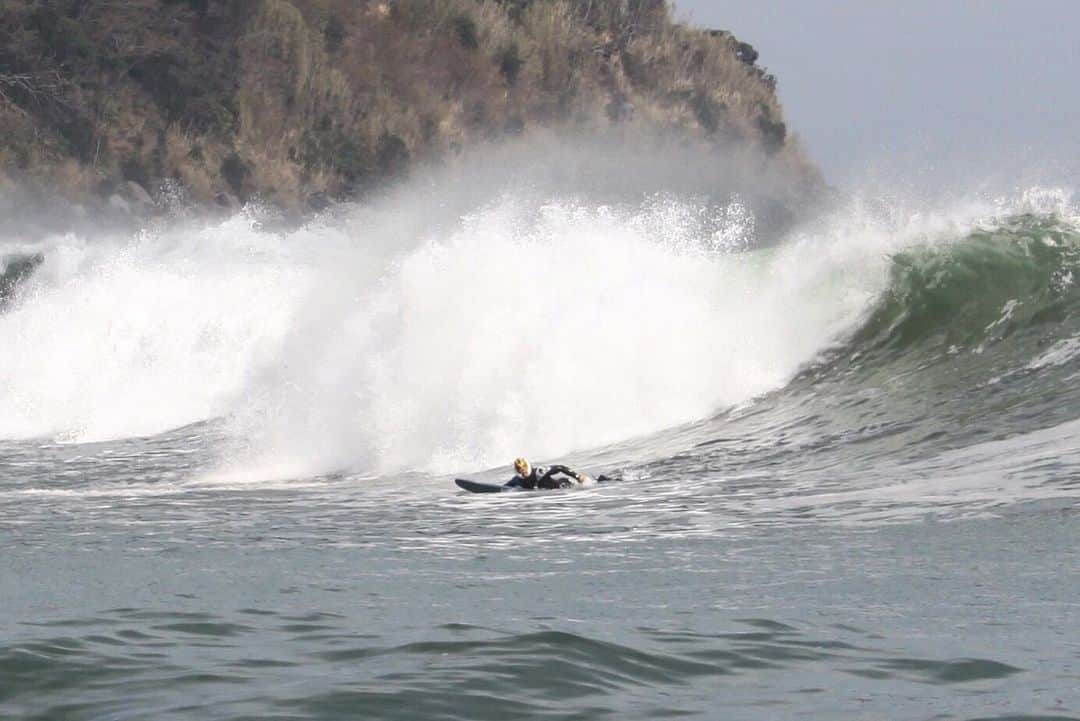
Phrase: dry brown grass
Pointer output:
(335, 95)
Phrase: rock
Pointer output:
(137, 193)
(16, 269)
(227, 201)
(319, 201)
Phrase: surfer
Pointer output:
(540, 477)
(531, 478)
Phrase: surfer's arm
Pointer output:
(514, 482)
(564, 470)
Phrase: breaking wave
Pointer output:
(391, 339)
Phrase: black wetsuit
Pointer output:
(541, 477)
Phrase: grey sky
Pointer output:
(942, 87)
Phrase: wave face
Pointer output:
(1013, 275)
(954, 393)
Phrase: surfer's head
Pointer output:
(522, 467)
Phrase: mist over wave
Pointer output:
(441, 329)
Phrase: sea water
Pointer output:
(849, 463)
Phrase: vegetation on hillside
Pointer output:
(300, 101)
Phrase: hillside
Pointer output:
(299, 102)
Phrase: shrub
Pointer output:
(516, 8)
(133, 169)
(22, 156)
(236, 173)
(465, 30)
(66, 38)
(79, 135)
(773, 132)
(745, 53)
(558, 35)
(514, 125)
(352, 160)
(637, 71)
(191, 89)
(510, 62)
(334, 34)
(710, 114)
(476, 114)
(325, 147)
(391, 155)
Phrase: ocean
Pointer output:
(848, 457)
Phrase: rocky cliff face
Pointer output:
(299, 102)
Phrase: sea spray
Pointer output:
(542, 326)
(134, 335)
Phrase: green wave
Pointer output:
(1016, 274)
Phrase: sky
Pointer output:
(940, 88)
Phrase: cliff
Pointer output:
(302, 101)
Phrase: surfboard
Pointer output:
(475, 487)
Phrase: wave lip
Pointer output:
(1019, 273)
